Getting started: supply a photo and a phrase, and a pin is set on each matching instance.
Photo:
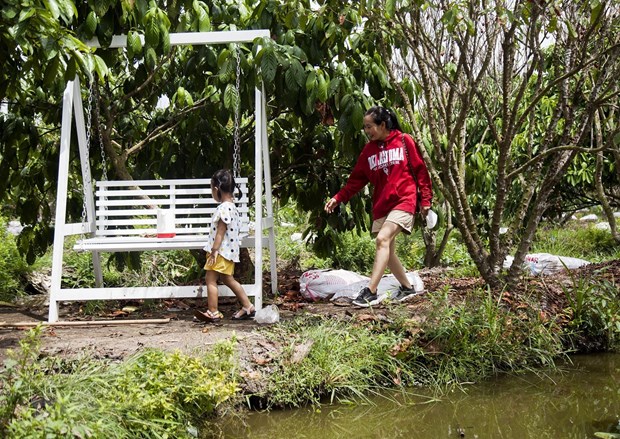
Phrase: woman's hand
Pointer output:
(331, 205)
(424, 210)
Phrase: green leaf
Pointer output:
(134, 43)
(202, 14)
(152, 33)
(269, 65)
(67, 10)
(311, 81)
(291, 82)
(150, 58)
(596, 7)
(357, 116)
(390, 8)
(100, 66)
(333, 86)
(91, 23)
(183, 98)
(322, 88)
(9, 12)
(51, 71)
(204, 23)
(71, 69)
(25, 14)
(165, 43)
(295, 76)
(231, 97)
(52, 6)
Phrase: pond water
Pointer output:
(576, 403)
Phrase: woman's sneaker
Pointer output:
(365, 298)
(404, 294)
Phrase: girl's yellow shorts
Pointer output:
(221, 265)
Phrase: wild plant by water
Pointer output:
(480, 337)
(343, 361)
(594, 310)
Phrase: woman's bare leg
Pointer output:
(384, 242)
(396, 267)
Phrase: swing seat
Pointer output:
(126, 215)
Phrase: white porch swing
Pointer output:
(123, 215)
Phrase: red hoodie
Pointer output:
(384, 164)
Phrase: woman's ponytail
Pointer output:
(383, 115)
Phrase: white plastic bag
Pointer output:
(268, 314)
(323, 284)
(431, 219)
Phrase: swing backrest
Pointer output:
(129, 208)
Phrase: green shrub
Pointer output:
(155, 394)
(127, 269)
(12, 266)
(355, 253)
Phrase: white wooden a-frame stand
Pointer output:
(73, 108)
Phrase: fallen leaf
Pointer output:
(261, 360)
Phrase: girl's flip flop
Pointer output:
(208, 316)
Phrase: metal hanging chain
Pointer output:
(89, 106)
(237, 146)
(104, 164)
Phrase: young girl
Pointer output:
(223, 250)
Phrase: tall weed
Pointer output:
(12, 265)
(577, 241)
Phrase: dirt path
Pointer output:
(117, 340)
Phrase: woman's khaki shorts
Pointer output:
(400, 217)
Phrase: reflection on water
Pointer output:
(575, 404)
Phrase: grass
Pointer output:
(576, 240)
(13, 266)
(459, 339)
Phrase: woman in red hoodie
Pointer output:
(388, 161)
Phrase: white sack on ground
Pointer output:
(591, 217)
(323, 284)
(387, 285)
(545, 263)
